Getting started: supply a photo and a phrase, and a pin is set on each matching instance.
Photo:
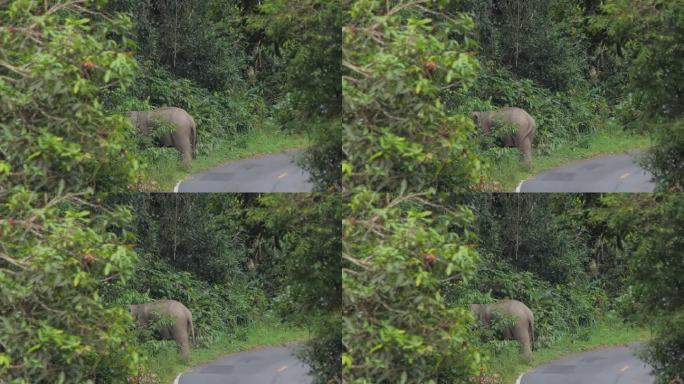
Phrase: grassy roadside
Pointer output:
(162, 175)
(509, 171)
(508, 366)
(166, 364)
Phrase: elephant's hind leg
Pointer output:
(181, 336)
(184, 146)
(525, 345)
(526, 149)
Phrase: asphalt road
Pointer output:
(602, 366)
(268, 173)
(610, 173)
(275, 365)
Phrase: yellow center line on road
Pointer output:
(625, 175)
(284, 367)
(282, 175)
(624, 368)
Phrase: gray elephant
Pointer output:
(521, 139)
(523, 328)
(184, 138)
(179, 330)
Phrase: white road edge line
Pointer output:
(175, 190)
(517, 189)
(516, 382)
(177, 377)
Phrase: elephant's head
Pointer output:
(482, 121)
(482, 312)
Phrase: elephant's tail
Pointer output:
(531, 325)
(192, 330)
(193, 138)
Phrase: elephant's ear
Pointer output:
(475, 116)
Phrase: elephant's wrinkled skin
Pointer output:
(178, 331)
(184, 138)
(521, 139)
(523, 328)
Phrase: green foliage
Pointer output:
(212, 248)
(396, 325)
(59, 154)
(649, 228)
(197, 40)
(540, 40)
(54, 130)
(322, 352)
(323, 158)
(303, 39)
(397, 60)
(307, 36)
(645, 33)
(530, 233)
(54, 325)
(306, 230)
(666, 159)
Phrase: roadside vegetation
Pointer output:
(582, 69)
(75, 248)
(250, 268)
(589, 266)
(245, 70)
(579, 72)
(416, 249)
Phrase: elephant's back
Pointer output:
(173, 114)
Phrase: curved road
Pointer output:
(275, 365)
(268, 173)
(610, 173)
(602, 366)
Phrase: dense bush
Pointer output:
(396, 325)
(307, 36)
(324, 157)
(60, 153)
(397, 134)
(398, 138)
